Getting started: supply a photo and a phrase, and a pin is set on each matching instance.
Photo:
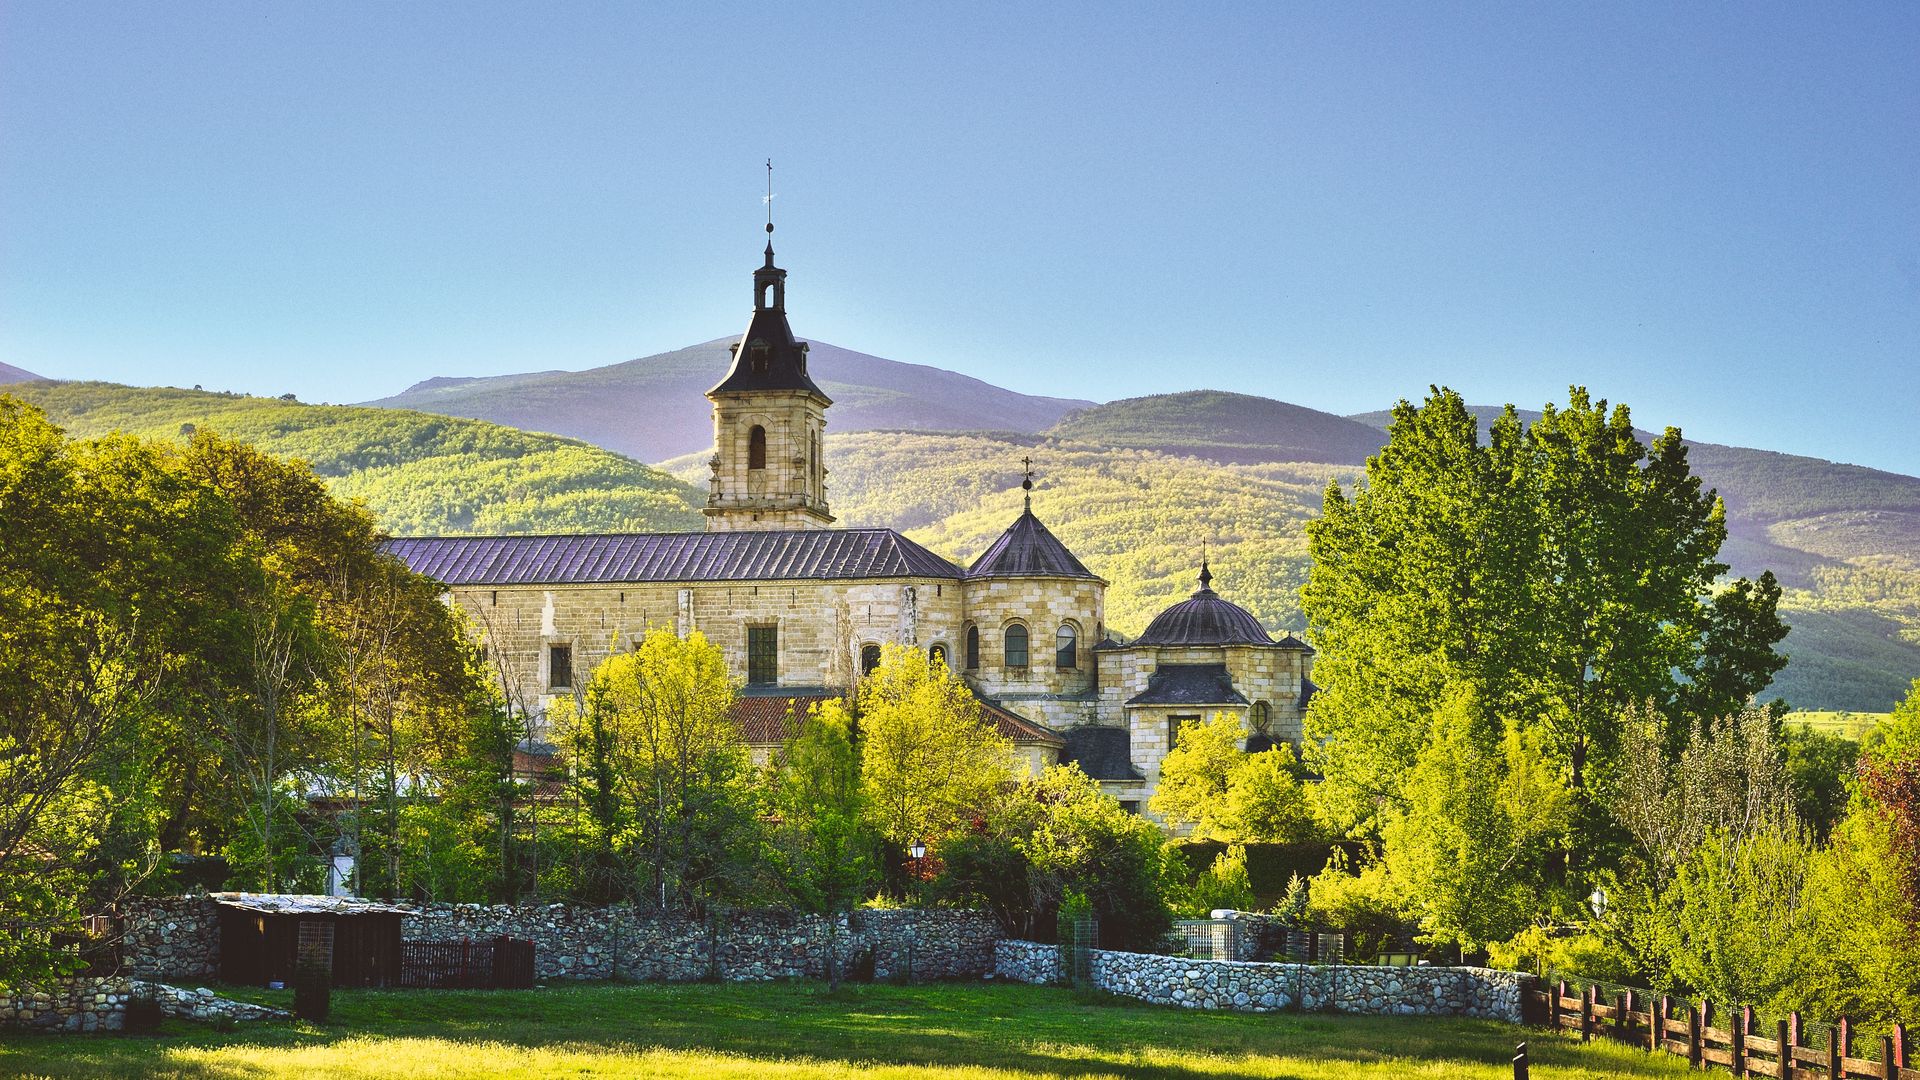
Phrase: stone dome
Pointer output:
(1204, 619)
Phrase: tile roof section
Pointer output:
(1028, 549)
(1189, 684)
(789, 555)
(762, 718)
(300, 904)
(1104, 753)
(1204, 619)
(1021, 730)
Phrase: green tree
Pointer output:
(929, 765)
(1208, 782)
(688, 829)
(824, 851)
(1565, 570)
(1471, 852)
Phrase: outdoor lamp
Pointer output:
(918, 850)
(1598, 902)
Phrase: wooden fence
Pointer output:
(501, 963)
(1736, 1043)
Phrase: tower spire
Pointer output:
(1206, 575)
(1026, 484)
(768, 199)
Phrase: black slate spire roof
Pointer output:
(767, 357)
(1204, 619)
(1028, 549)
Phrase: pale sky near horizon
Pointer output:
(1709, 212)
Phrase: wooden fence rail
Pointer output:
(501, 963)
(1736, 1043)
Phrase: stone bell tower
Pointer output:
(769, 424)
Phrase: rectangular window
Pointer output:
(763, 655)
(559, 667)
(1173, 728)
(1131, 806)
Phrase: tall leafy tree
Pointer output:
(823, 850)
(929, 764)
(659, 720)
(1564, 571)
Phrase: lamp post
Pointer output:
(1597, 902)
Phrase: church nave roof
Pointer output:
(790, 555)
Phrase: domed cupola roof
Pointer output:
(1204, 619)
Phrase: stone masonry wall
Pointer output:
(100, 1004)
(170, 937)
(623, 943)
(1027, 962)
(1258, 987)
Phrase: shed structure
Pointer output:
(263, 937)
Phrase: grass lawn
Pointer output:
(794, 1030)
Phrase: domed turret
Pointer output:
(1204, 619)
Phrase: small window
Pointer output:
(1173, 728)
(937, 655)
(1016, 646)
(1130, 806)
(757, 448)
(559, 667)
(973, 648)
(763, 655)
(869, 659)
(1066, 651)
(1262, 717)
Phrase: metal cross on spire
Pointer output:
(1026, 484)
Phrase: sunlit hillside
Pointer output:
(417, 472)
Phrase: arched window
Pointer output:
(1066, 648)
(973, 648)
(869, 659)
(1016, 646)
(1261, 718)
(937, 654)
(757, 448)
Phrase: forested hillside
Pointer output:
(655, 407)
(416, 472)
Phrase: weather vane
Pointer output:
(768, 198)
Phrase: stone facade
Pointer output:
(1246, 986)
(788, 489)
(100, 1004)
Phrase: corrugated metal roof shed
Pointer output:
(788, 555)
(301, 904)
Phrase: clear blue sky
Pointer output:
(1708, 211)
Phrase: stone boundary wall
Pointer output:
(1027, 962)
(1247, 986)
(100, 1004)
(625, 943)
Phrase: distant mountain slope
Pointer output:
(11, 374)
(655, 408)
(418, 473)
(1137, 517)
(1238, 429)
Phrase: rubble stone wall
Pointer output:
(169, 937)
(624, 943)
(100, 1004)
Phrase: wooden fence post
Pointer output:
(1554, 991)
(1623, 1015)
(1834, 1052)
(1696, 1019)
(1900, 1045)
(1737, 1041)
(1783, 1034)
(1586, 1014)
(1794, 1018)
(1659, 1026)
(1520, 1062)
(1889, 1069)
